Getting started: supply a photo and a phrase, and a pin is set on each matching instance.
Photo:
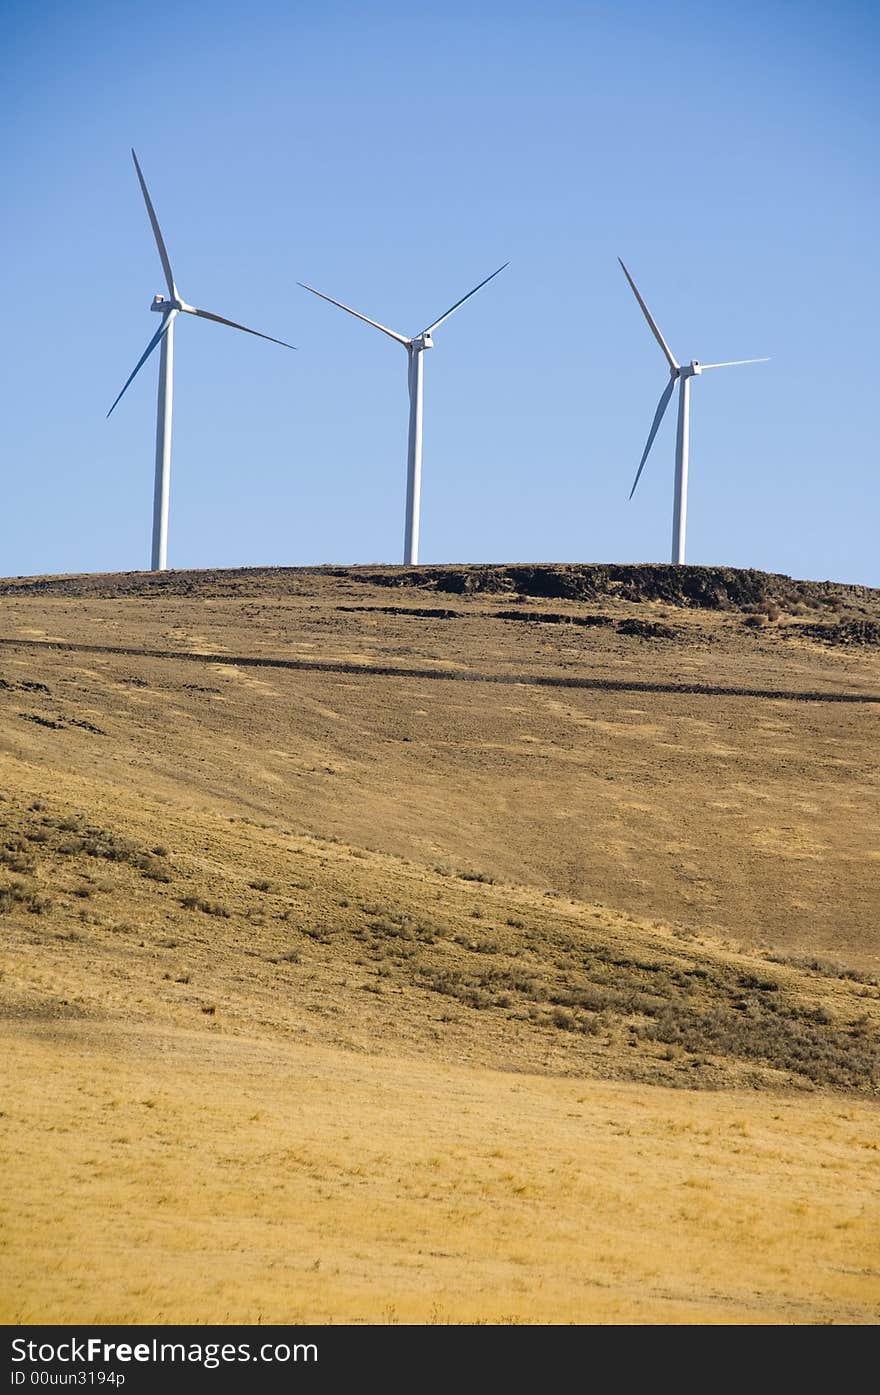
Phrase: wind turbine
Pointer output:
(415, 347)
(681, 375)
(164, 335)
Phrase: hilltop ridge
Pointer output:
(712, 588)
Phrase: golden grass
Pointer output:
(171, 1177)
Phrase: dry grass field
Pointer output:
(490, 944)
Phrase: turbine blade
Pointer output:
(655, 330)
(655, 426)
(157, 232)
(145, 355)
(207, 315)
(454, 307)
(733, 363)
(357, 314)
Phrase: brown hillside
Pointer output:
(479, 949)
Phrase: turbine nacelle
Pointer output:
(687, 370)
(421, 341)
(163, 306)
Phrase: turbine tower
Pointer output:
(681, 375)
(168, 309)
(415, 347)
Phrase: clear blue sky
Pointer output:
(393, 155)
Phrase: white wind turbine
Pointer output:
(415, 347)
(681, 375)
(168, 309)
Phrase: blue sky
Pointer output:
(393, 155)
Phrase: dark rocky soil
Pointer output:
(708, 588)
